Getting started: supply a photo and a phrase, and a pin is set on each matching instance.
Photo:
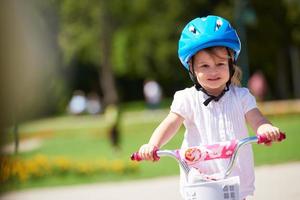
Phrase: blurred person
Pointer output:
(152, 93)
(216, 108)
(78, 103)
(113, 117)
(93, 104)
(258, 85)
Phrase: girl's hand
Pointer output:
(147, 151)
(271, 132)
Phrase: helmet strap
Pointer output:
(211, 97)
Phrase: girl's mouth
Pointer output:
(214, 79)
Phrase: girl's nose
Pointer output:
(214, 69)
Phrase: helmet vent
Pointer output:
(218, 24)
(193, 30)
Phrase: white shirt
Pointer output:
(218, 121)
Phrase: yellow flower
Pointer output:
(5, 173)
(20, 171)
(84, 168)
(103, 165)
(117, 166)
(132, 167)
(62, 164)
(41, 166)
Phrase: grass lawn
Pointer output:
(85, 139)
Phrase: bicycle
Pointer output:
(210, 187)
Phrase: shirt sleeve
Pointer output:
(248, 100)
(179, 104)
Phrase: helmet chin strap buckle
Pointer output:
(215, 98)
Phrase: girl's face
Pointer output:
(211, 69)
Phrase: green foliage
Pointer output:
(293, 19)
(145, 34)
(80, 30)
(143, 42)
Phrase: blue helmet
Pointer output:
(205, 32)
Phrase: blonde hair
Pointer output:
(237, 76)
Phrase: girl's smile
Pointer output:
(214, 79)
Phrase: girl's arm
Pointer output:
(261, 125)
(162, 134)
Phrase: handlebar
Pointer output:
(234, 145)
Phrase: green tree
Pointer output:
(269, 42)
(138, 38)
(145, 43)
(86, 34)
(293, 20)
(126, 38)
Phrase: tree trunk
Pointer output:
(282, 80)
(107, 82)
(295, 62)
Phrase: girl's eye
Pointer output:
(204, 66)
(220, 64)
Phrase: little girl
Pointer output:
(216, 108)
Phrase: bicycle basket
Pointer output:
(225, 189)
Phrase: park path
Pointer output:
(276, 182)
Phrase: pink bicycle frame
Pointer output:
(221, 150)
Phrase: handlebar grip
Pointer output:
(136, 156)
(265, 140)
